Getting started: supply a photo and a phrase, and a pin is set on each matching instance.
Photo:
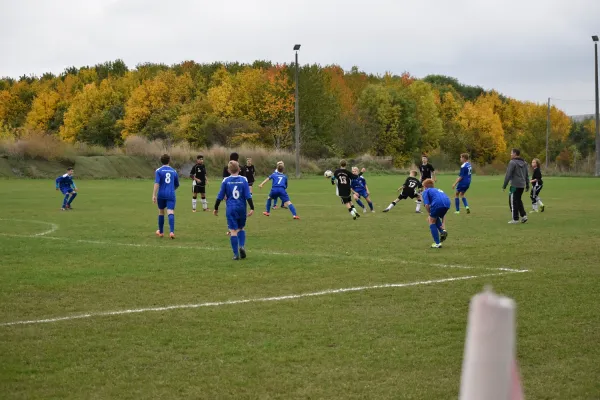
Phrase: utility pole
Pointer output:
(595, 39)
(547, 131)
(297, 117)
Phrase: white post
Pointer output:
(489, 364)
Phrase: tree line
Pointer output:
(342, 113)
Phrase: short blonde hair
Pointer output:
(233, 167)
(413, 173)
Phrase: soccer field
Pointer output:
(322, 308)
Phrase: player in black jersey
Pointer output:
(536, 186)
(250, 173)
(198, 175)
(426, 169)
(342, 178)
(234, 157)
(410, 188)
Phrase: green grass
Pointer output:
(390, 343)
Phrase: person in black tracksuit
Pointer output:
(517, 174)
(536, 186)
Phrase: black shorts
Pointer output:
(197, 188)
(250, 183)
(346, 199)
(404, 196)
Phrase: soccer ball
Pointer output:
(328, 174)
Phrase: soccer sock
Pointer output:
(65, 200)
(292, 209)
(161, 223)
(204, 204)
(457, 203)
(466, 204)
(539, 201)
(72, 198)
(172, 222)
(242, 238)
(235, 245)
(371, 205)
(360, 203)
(392, 204)
(435, 233)
(268, 205)
(351, 211)
(418, 206)
(194, 203)
(438, 223)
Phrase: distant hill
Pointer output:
(582, 117)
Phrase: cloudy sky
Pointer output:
(526, 49)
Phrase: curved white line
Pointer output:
(53, 227)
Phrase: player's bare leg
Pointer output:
(161, 223)
(171, 216)
(288, 204)
(352, 210)
(419, 203)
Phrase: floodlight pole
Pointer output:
(595, 39)
(547, 131)
(297, 116)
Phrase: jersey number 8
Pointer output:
(168, 177)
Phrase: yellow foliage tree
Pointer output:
(427, 114)
(484, 136)
(42, 111)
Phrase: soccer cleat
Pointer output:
(456, 212)
(193, 210)
(274, 207)
(63, 209)
(443, 235)
(514, 222)
(242, 253)
(386, 210)
(69, 207)
(296, 217)
(418, 211)
(524, 219)
(206, 209)
(357, 215)
(436, 246)
(159, 234)
(172, 235)
(372, 211)
(235, 258)
(364, 210)
(542, 207)
(266, 214)
(284, 207)
(468, 210)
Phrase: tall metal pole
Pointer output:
(297, 120)
(597, 112)
(547, 131)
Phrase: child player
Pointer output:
(67, 187)
(198, 175)
(360, 189)
(462, 183)
(166, 183)
(536, 186)
(275, 199)
(426, 169)
(250, 173)
(342, 179)
(410, 188)
(235, 189)
(278, 190)
(437, 205)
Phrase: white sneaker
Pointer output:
(524, 219)
(514, 222)
(372, 211)
(364, 210)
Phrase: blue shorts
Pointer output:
(66, 190)
(279, 193)
(236, 218)
(462, 188)
(438, 212)
(362, 193)
(169, 204)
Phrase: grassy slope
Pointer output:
(385, 343)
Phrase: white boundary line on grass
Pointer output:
(53, 227)
(253, 300)
(274, 253)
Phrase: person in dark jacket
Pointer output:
(536, 186)
(517, 174)
(234, 157)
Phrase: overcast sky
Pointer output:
(526, 49)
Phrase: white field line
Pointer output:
(253, 300)
(275, 253)
(53, 227)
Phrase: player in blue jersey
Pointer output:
(279, 190)
(166, 183)
(236, 191)
(437, 205)
(360, 189)
(67, 187)
(276, 198)
(462, 183)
